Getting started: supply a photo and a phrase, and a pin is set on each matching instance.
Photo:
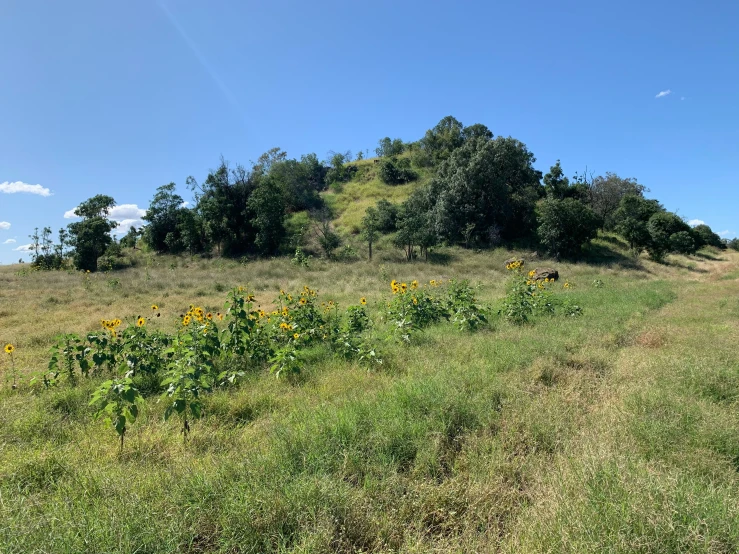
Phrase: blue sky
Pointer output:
(122, 97)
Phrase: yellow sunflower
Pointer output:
(154, 307)
(140, 322)
(9, 348)
(363, 301)
(186, 320)
(296, 336)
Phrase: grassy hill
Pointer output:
(614, 431)
(364, 190)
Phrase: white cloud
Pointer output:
(694, 222)
(24, 248)
(126, 224)
(118, 213)
(663, 93)
(18, 186)
(9, 241)
(185, 204)
(4, 225)
(725, 233)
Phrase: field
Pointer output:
(613, 431)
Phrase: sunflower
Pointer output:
(415, 300)
(209, 316)
(432, 282)
(363, 301)
(117, 322)
(403, 287)
(140, 322)
(262, 313)
(414, 284)
(9, 348)
(219, 315)
(296, 336)
(303, 301)
(154, 307)
(186, 320)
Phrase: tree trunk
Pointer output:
(370, 250)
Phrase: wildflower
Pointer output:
(285, 311)
(403, 287)
(363, 301)
(186, 320)
(262, 313)
(154, 307)
(290, 297)
(117, 322)
(209, 316)
(275, 312)
(219, 315)
(9, 348)
(566, 285)
(531, 273)
(296, 336)
(140, 322)
(432, 282)
(303, 301)
(414, 284)
(415, 300)
(282, 292)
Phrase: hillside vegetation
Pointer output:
(608, 425)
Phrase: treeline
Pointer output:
(484, 191)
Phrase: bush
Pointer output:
(662, 226)
(387, 216)
(396, 172)
(682, 242)
(564, 226)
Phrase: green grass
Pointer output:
(616, 431)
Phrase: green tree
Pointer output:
(163, 217)
(267, 206)
(387, 215)
(327, 237)
(91, 236)
(662, 226)
(489, 183)
(631, 218)
(131, 238)
(564, 226)
(370, 227)
(605, 194)
(556, 184)
(703, 235)
(388, 147)
(394, 171)
(439, 142)
(415, 226)
(682, 242)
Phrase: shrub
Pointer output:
(564, 226)
(395, 171)
(682, 242)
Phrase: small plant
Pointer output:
(68, 353)
(9, 349)
(526, 297)
(598, 284)
(300, 258)
(119, 401)
(462, 304)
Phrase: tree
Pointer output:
(370, 227)
(703, 235)
(478, 130)
(606, 192)
(662, 226)
(565, 225)
(631, 218)
(91, 236)
(327, 238)
(488, 183)
(339, 171)
(414, 225)
(164, 215)
(682, 242)
(267, 207)
(387, 148)
(131, 238)
(296, 180)
(438, 143)
(556, 184)
(394, 171)
(387, 214)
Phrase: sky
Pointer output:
(119, 98)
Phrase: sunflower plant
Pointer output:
(119, 401)
(67, 354)
(9, 349)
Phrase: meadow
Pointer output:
(612, 427)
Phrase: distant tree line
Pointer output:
(484, 191)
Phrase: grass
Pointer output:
(616, 431)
